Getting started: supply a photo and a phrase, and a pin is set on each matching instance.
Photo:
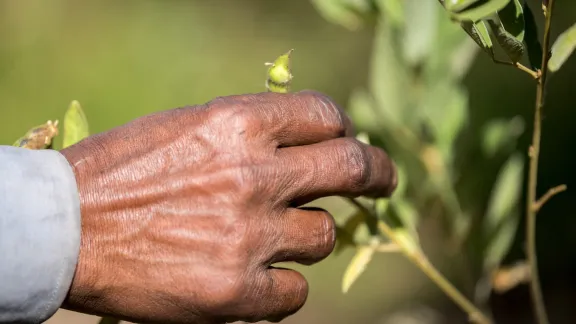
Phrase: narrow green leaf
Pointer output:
(392, 10)
(479, 33)
(512, 46)
(562, 48)
(337, 13)
(420, 30)
(357, 266)
(75, 125)
(346, 234)
(532, 39)
(476, 11)
(501, 241)
(506, 192)
(500, 134)
(512, 17)
(446, 111)
(458, 5)
(502, 217)
(408, 216)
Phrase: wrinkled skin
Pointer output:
(185, 210)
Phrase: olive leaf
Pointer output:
(393, 10)
(474, 10)
(420, 30)
(562, 48)
(75, 125)
(499, 134)
(479, 33)
(532, 40)
(358, 265)
(512, 17)
(511, 45)
(502, 215)
(338, 13)
(346, 235)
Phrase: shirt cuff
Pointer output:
(40, 228)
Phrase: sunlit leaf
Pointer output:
(357, 266)
(75, 125)
(479, 33)
(501, 217)
(363, 137)
(420, 30)
(476, 10)
(562, 48)
(532, 39)
(512, 17)
(512, 46)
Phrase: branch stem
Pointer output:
(547, 196)
(416, 256)
(535, 289)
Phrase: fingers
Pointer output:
(291, 119)
(304, 235)
(339, 167)
(281, 293)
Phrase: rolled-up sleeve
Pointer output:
(39, 233)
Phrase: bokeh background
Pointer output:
(125, 59)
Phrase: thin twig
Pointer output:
(475, 315)
(519, 66)
(549, 194)
(535, 289)
(416, 256)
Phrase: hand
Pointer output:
(184, 211)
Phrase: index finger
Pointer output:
(293, 119)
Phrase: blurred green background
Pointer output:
(125, 59)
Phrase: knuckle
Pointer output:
(356, 161)
(327, 112)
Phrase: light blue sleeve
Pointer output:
(39, 233)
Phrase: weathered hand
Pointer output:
(184, 211)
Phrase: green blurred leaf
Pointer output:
(501, 214)
(562, 48)
(420, 30)
(479, 33)
(499, 134)
(345, 235)
(335, 11)
(500, 244)
(389, 79)
(512, 17)
(357, 266)
(362, 112)
(446, 111)
(75, 125)
(408, 216)
(474, 10)
(392, 10)
(512, 46)
(532, 39)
